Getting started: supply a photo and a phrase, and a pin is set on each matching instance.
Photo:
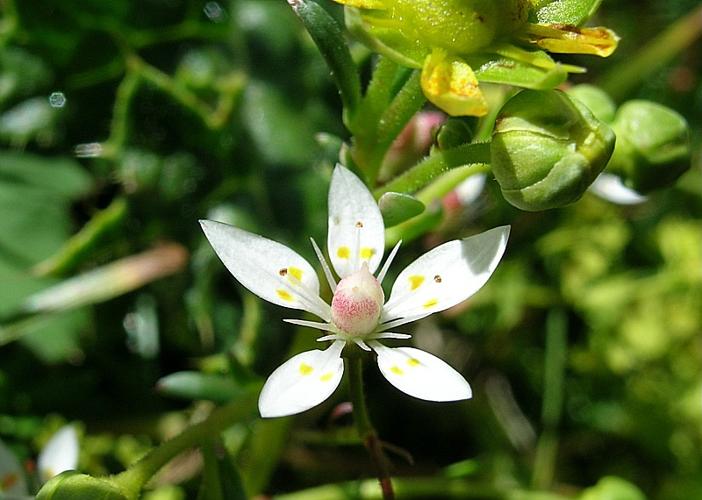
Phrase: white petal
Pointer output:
(420, 374)
(12, 480)
(610, 187)
(267, 268)
(446, 275)
(302, 382)
(60, 453)
(356, 231)
(469, 190)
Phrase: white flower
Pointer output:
(611, 188)
(59, 454)
(358, 314)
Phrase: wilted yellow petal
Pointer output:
(363, 4)
(566, 39)
(450, 84)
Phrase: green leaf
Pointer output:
(21, 74)
(398, 207)
(221, 479)
(276, 128)
(196, 385)
(327, 34)
(574, 12)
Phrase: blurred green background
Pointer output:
(124, 122)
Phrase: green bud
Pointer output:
(72, 485)
(653, 146)
(547, 149)
(459, 26)
(453, 133)
(596, 100)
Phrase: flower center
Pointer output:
(357, 303)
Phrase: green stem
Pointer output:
(629, 73)
(408, 101)
(434, 165)
(377, 96)
(354, 367)
(134, 478)
(554, 371)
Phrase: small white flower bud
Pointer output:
(357, 303)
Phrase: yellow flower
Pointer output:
(458, 43)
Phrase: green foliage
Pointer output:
(122, 123)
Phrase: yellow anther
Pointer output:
(284, 294)
(326, 377)
(305, 369)
(397, 370)
(413, 362)
(415, 281)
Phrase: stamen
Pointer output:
(327, 327)
(329, 337)
(325, 266)
(311, 301)
(401, 321)
(357, 249)
(389, 335)
(388, 261)
(360, 343)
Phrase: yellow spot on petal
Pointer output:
(343, 252)
(326, 377)
(305, 369)
(430, 302)
(367, 253)
(397, 370)
(295, 273)
(284, 294)
(415, 281)
(413, 362)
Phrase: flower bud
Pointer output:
(653, 145)
(72, 485)
(596, 100)
(357, 303)
(547, 149)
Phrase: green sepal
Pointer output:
(574, 12)
(493, 68)
(399, 207)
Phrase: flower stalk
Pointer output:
(366, 431)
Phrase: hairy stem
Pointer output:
(134, 478)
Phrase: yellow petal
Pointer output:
(363, 4)
(567, 39)
(450, 84)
